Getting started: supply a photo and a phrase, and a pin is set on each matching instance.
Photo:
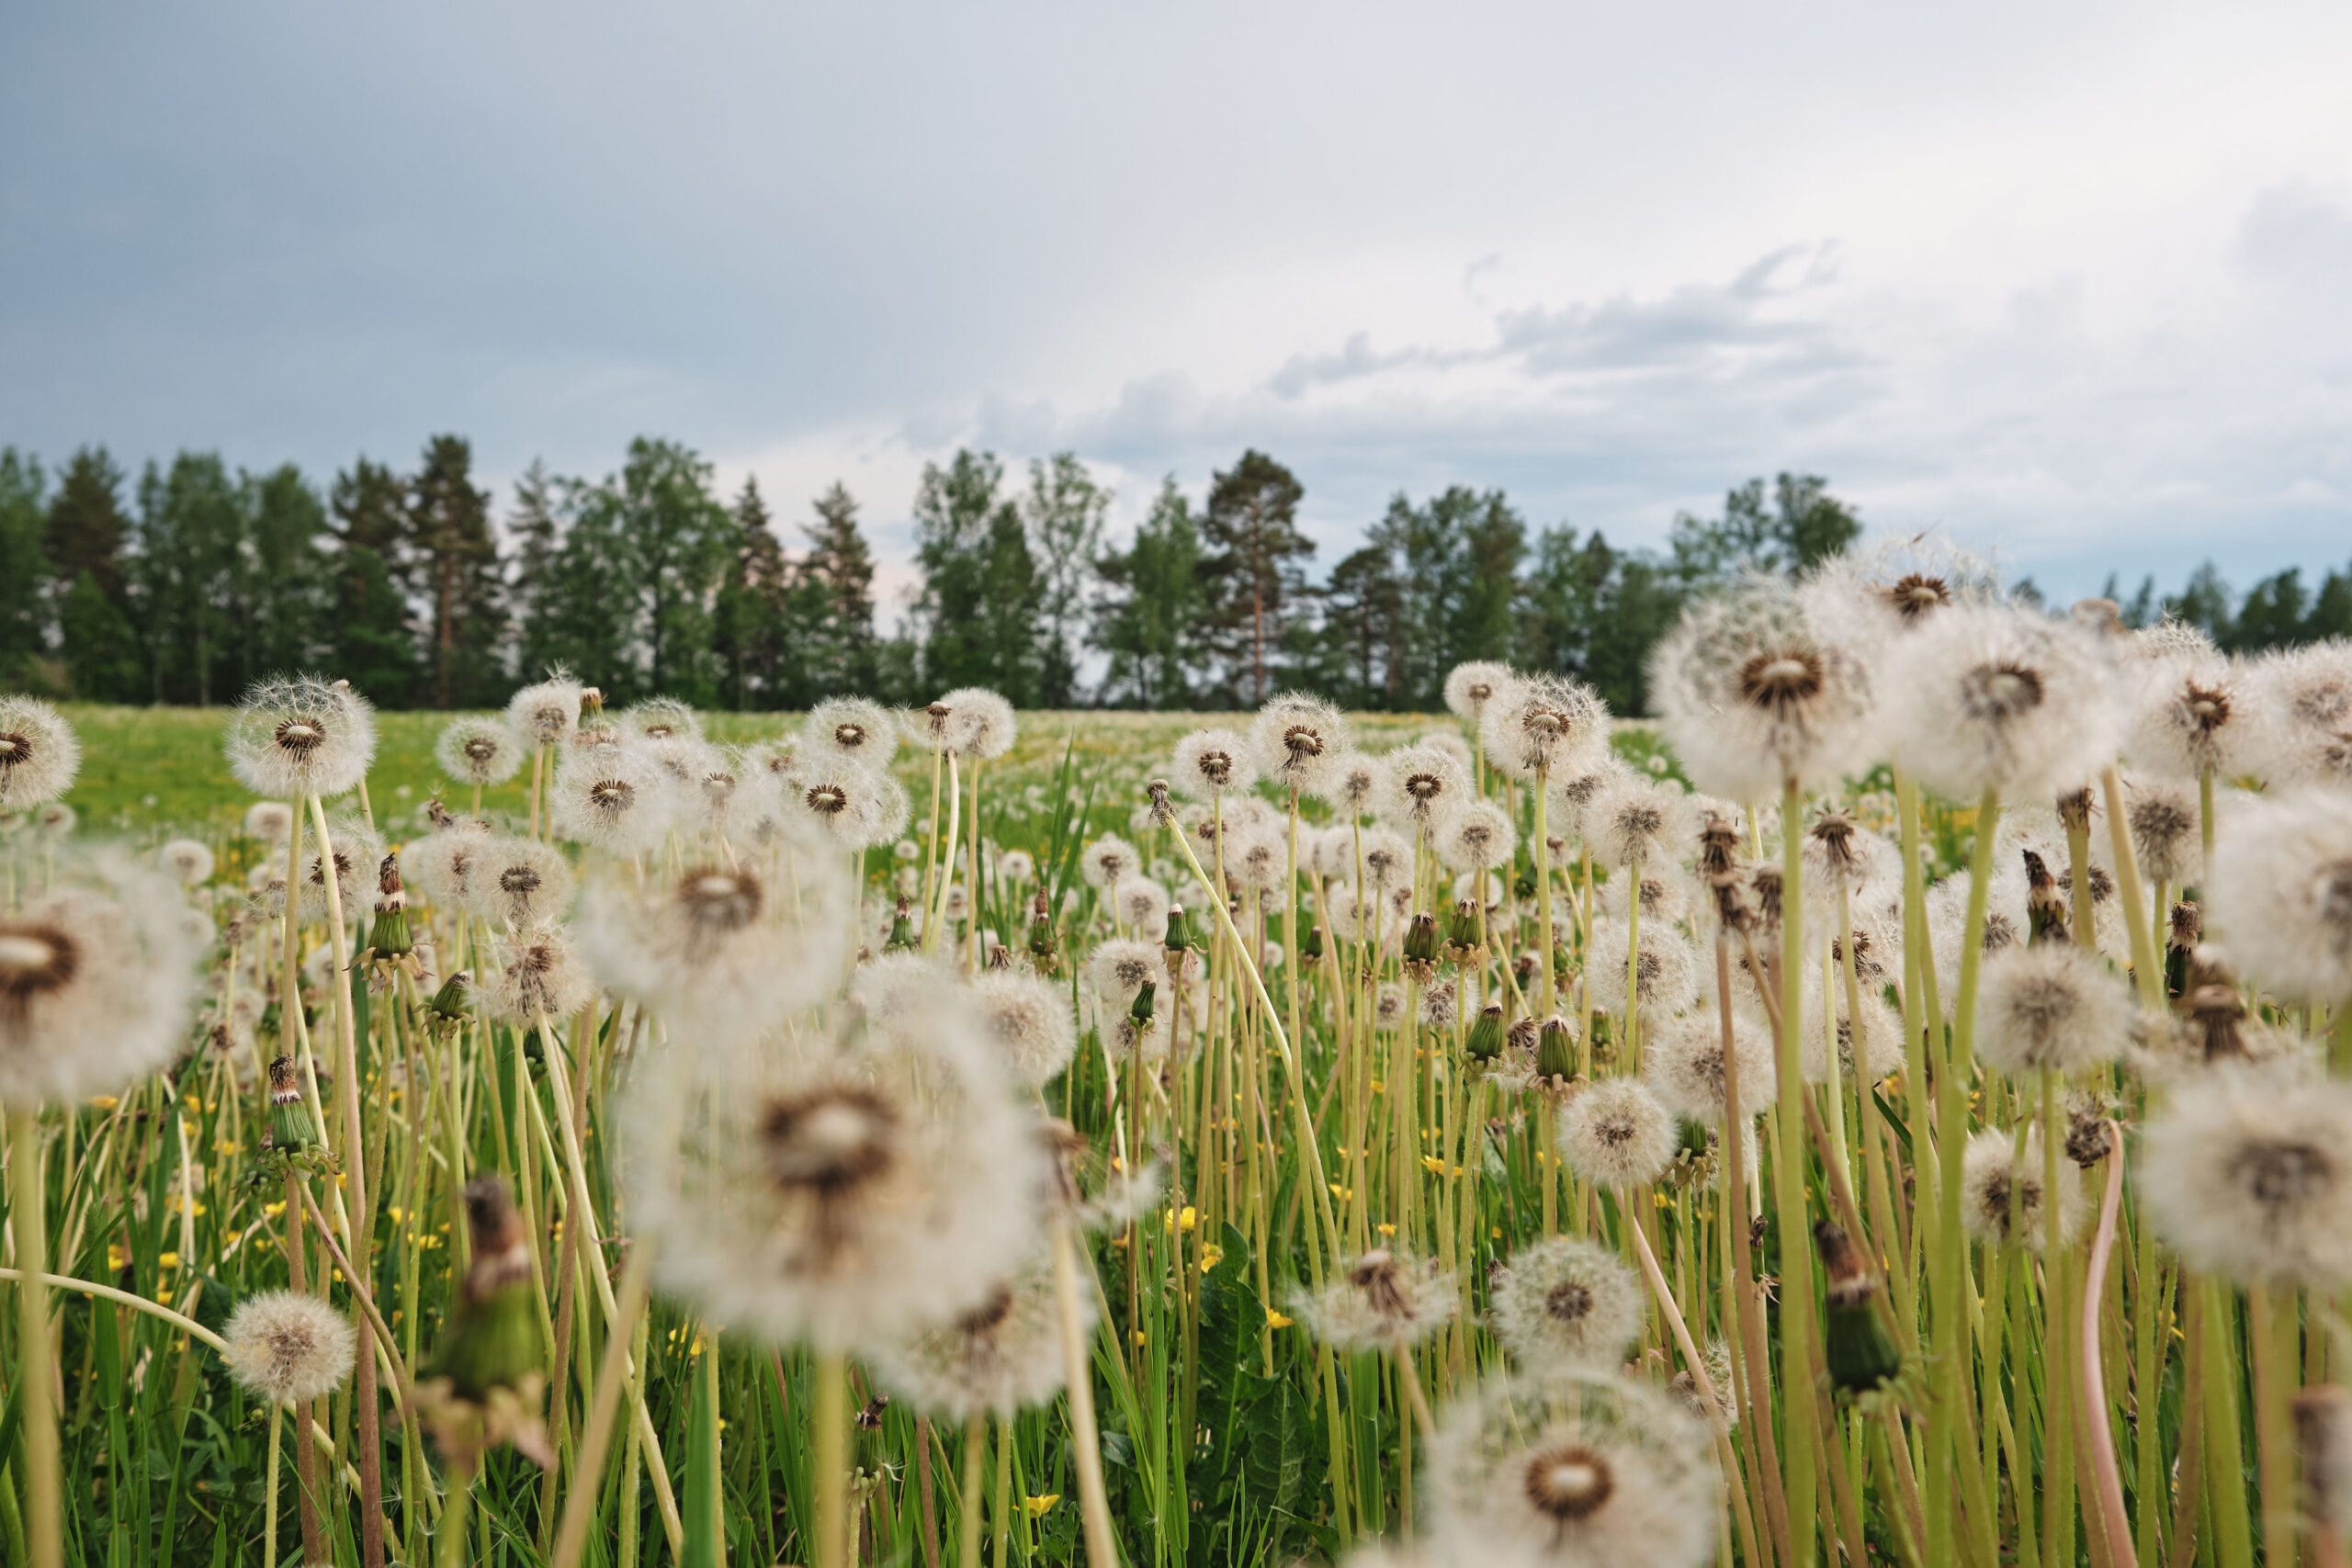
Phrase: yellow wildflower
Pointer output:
(1038, 1508)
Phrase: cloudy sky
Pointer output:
(2065, 280)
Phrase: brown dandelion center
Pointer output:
(828, 1142)
(1380, 1278)
(1997, 1190)
(1424, 787)
(2332, 887)
(719, 901)
(1999, 932)
(1479, 691)
(1130, 973)
(989, 1316)
(936, 716)
(548, 721)
(1302, 741)
(1569, 1483)
(14, 748)
(519, 879)
(1568, 1301)
(2322, 706)
(481, 749)
(2283, 1175)
(828, 800)
(1916, 594)
(848, 736)
(2206, 707)
(612, 796)
(1778, 681)
(300, 736)
(34, 959)
(660, 731)
(1216, 766)
(1645, 968)
(342, 870)
(1544, 723)
(538, 960)
(1999, 692)
(1616, 1131)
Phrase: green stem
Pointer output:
(832, 1459)
(26, 1204)
(969, 1518)
(269, 1494)
(1086, 1440)
(1800, 1419)
(1951, 1274)
(450, 1550)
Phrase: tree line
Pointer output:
(188, 581)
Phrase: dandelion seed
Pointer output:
(1665, 970)
(1683, 1062)
(2281, 894)
(714, 948)
(1566, 1302)
(2197, 716)
(1472, 686)
(188, 862)
(660, 719)
(1029, 1020)
(355, 850)
(1423, 790)
(288, 1347)
(1119, 970)
(1142, 904)
(853, 805)
(2163, 817)
(536, 973)
(1631, 821)
(613, 798)
(1107, 862)
(2307, 704)
(518, 882)
(2053, 1005)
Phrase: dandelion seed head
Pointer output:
(614, 798)
(1387, 860)
(1378, 1302)
(2307, 705)
(1683, 1062)
(1665, 968)
(1298, 740)
(288, 1346)
(980, 724)
(188, 861)
(478, 751)
(851, 728)
(1423, 790)
(39, 754)
(1480, 837)
(1545, 724)
(1472, 685)
(1993, 1179)
(1617, 1133)
(354, 850)
(1119, 969)
(2050, 1004)
(660, 719)
(1213, 764)
(1359, 781)
(713, 948)
(1575, 1468)
(269, 821)
(1631, 821)
(1751, 693)
(1566, 1302)
(1028, 1019)
(547, 711)
(2194, 715)
(2281, 893)
(536, 973)
(1142, 904)
(294, 736)
(851, 805)
(2250, 1179)
(1107, 862)
(999, 1358)
(516, 881)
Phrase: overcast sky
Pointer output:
(2071, 281)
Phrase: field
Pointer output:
(713, 1218)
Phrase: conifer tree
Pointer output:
(457, 563)
(1249, 531)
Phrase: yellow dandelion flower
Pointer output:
(1038, 1508)
(1277, 1320)
(104, 1101)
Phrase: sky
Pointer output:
(2065, 282)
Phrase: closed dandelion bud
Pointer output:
(492, 1340)
(1765, 882)
(1140, 1011)
(1485, 1041)
(2324, 1433)
(2187, 930)
(1861, 1354)
(389, 935)
(289, 1119)
(1420, 947)
(1461, 933)
(1523, 886)
(1310, 947)
(1178, 939)
(449, 1001)
(2045, 906)
(1555, 1049)
(1042, 951)
(902, 930)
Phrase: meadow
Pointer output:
(1889, 1121)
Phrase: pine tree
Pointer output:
(1249, 531)
(448, 532)
(371, 638)
(192, 537)
(978, 605)
(534, 527)
(23, 567)
(87, 529)
(748, 630)
(281, 600)
(840, 565)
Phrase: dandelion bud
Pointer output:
(1420, 947)
(2323, 1432)
(2186, 931)
(449, 1001)
(592, 702)
(1861, 1354)
(1178, 939)
(1485, 1041)
(289, 1130)
(2045, 906)
(1042, 951)
(902, 930)
(1139, 1013)
(1462, 943)
(1310, 947)
(1555, 1050)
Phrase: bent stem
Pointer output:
(2098, 1437)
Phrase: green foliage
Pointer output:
(1149, 623)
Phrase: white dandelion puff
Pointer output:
(1566, 1302)
(852, 728)
(1473, 685)
(297, 735)
(1028, 1019)
(999, 1356)
(269, 821)
(1297, 740)
(853, 804)
(1378, 1302)
(2194, 717)
(1479, 838)
(1683, 1062)
(357, 851)
(716, 947)
(611, 798)
(1617, 1133)
(39, 754)
(1633, 822)
(518, 882)
(2281, 894)
(2050, 1004)
(1545, 724)
(660, 719)
(1752, 695)
(2251, 1181)
(288, 1346)
(441, 864)
(1423, 791)
(188, 861)
(536, 973)
(980, 724)
(1213, 764)
(1109, 861)
(1993, 1179)
(546, 712)
(478, 751)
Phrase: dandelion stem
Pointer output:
(2099, 1435)
(1086, 1441)
(269, 1494)
(831, 1460)
(968, 1517)
(1800, 1429)
(34, 1373)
